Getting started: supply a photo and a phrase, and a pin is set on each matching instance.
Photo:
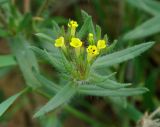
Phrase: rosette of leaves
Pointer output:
(81, 55)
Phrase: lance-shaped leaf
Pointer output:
(52, 58)
(7, 103)
(51, 86)
(44, 36)
(7, 60)
(110, 84)
(148, 28)
(26, 23)
(150, 6)
(84, 29)
(120, 56)
(98, 32)
(63, 96)
(91, 28)
(25, 59)
(124, 92)
(56, 29)
(97, 78)
(3, 1)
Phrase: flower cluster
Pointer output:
(92, 49)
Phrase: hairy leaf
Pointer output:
(148, 28)
(7, 103)
(25, 59)
(110, 84)
(7, 60)
(120, 56)
(150, 6)
(44, 36)
(63, 96)
(84, 29)
(104, 92)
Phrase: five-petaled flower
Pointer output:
(101, 44)
(72, 24)
(59, 42)
(76, 42)
(92, 50)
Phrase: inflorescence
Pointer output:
(92, 50)
(85, 52)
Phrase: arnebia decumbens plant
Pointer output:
(81, 56)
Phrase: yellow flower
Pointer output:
(92, 50)
(76, 42)
(59, 42)
(90, 38)
(101, 44)
(72, 24)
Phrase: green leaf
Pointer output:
(84, 15)
(25, 23)
(105, 84)
(7, 60)
(96, 78)
(110, 84)
(98, 32)
(57, 59)
(44, 53)
(120, 56)
(112, 46)
(56, 29)
(3, 1)
(84, 29)
(25, 58)
(96, 91)
(47, 83)
(91, 28)
(109, 48)
(7, 103)
(148, 28)
(63, 96)
(150, 6)
(44, 36)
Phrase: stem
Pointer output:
(26, 6)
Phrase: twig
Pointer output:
(26, 6)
